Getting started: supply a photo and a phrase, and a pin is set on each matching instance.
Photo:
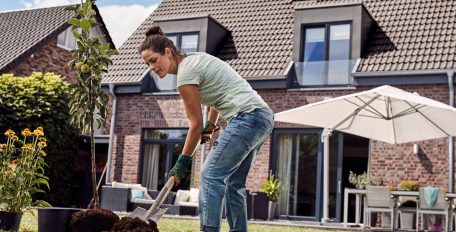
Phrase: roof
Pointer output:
(410, 35)
(25, 30)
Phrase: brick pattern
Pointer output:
(138, 112)
(47, 58)
(389, 162)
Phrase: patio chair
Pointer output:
(379, 199)
(406, 212)
(440, 207)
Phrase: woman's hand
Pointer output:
(182, 168)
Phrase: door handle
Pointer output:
(339, 186)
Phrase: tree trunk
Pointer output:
(96, 202)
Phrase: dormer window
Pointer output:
(190, 33)
(326, 56)
(66, 40)
(187, 42)
(329, 40)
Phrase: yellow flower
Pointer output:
(26, 132)
(9, 133)
(38, 131)
(42, 139)
(14, 137)
(27, 147)
(42, 144)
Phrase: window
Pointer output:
(187, 43)
(326, 56)
(66, 39)
(162, 147)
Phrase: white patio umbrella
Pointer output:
(385, 113)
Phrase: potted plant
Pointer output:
(272, 188)
(21, 175)
(361, 180)
(409, 185)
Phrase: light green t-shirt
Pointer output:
(220, 86)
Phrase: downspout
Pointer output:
(450, 138)
(111, 133)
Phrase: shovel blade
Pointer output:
(156, 216)
(141, 214)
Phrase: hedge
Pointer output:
(42, 100)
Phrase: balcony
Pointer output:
(315, 74)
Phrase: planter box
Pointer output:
(55, 219)
(10, 221)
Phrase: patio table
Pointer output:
(361, 194)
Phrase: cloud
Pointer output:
(47, 3)
(122, 21)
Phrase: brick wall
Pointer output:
(394, 163)
(387, 161)
(47, 58)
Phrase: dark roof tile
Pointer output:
(409, 34)
(22, 30)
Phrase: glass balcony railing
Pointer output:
(324, 73)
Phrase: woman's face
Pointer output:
(160, 64)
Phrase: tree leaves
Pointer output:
(92, 55)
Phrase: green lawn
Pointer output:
(29, 224)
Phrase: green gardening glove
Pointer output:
(181, 169)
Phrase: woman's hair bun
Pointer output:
(155, 30)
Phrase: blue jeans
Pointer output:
(225, 170)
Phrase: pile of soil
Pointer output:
(128, 224)
(93, 220)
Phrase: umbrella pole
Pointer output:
(325, 137)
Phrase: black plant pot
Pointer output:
(55, 219)
(10, 221)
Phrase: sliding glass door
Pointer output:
(298, 162)
(161, 148)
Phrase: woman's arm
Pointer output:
(192, 103)
(213, 116)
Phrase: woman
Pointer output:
(204, 79)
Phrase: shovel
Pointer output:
(155, 212)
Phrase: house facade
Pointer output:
(292, 53)
(40, 40)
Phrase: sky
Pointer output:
(121, 17)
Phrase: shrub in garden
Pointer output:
(21, 170)
(41, 100)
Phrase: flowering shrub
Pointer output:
(360, 181)
(21, 170)
(409, 185)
